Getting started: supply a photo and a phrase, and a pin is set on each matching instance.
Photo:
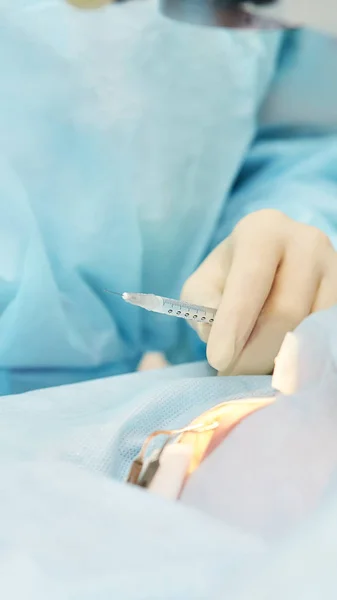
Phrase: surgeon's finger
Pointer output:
(250, 279)
(289, 302)
(327, 293)
(205, 286)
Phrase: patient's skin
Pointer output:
(272, 469)
(229, 422)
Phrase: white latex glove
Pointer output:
(264, 279)
(152, 361)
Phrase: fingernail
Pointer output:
(222, 354)
(230, 366)
(235, 348)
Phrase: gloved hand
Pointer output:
(264, 279)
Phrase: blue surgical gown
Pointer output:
(129, 146)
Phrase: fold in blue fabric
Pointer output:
(122, 135)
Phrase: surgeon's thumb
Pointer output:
(205, 287)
